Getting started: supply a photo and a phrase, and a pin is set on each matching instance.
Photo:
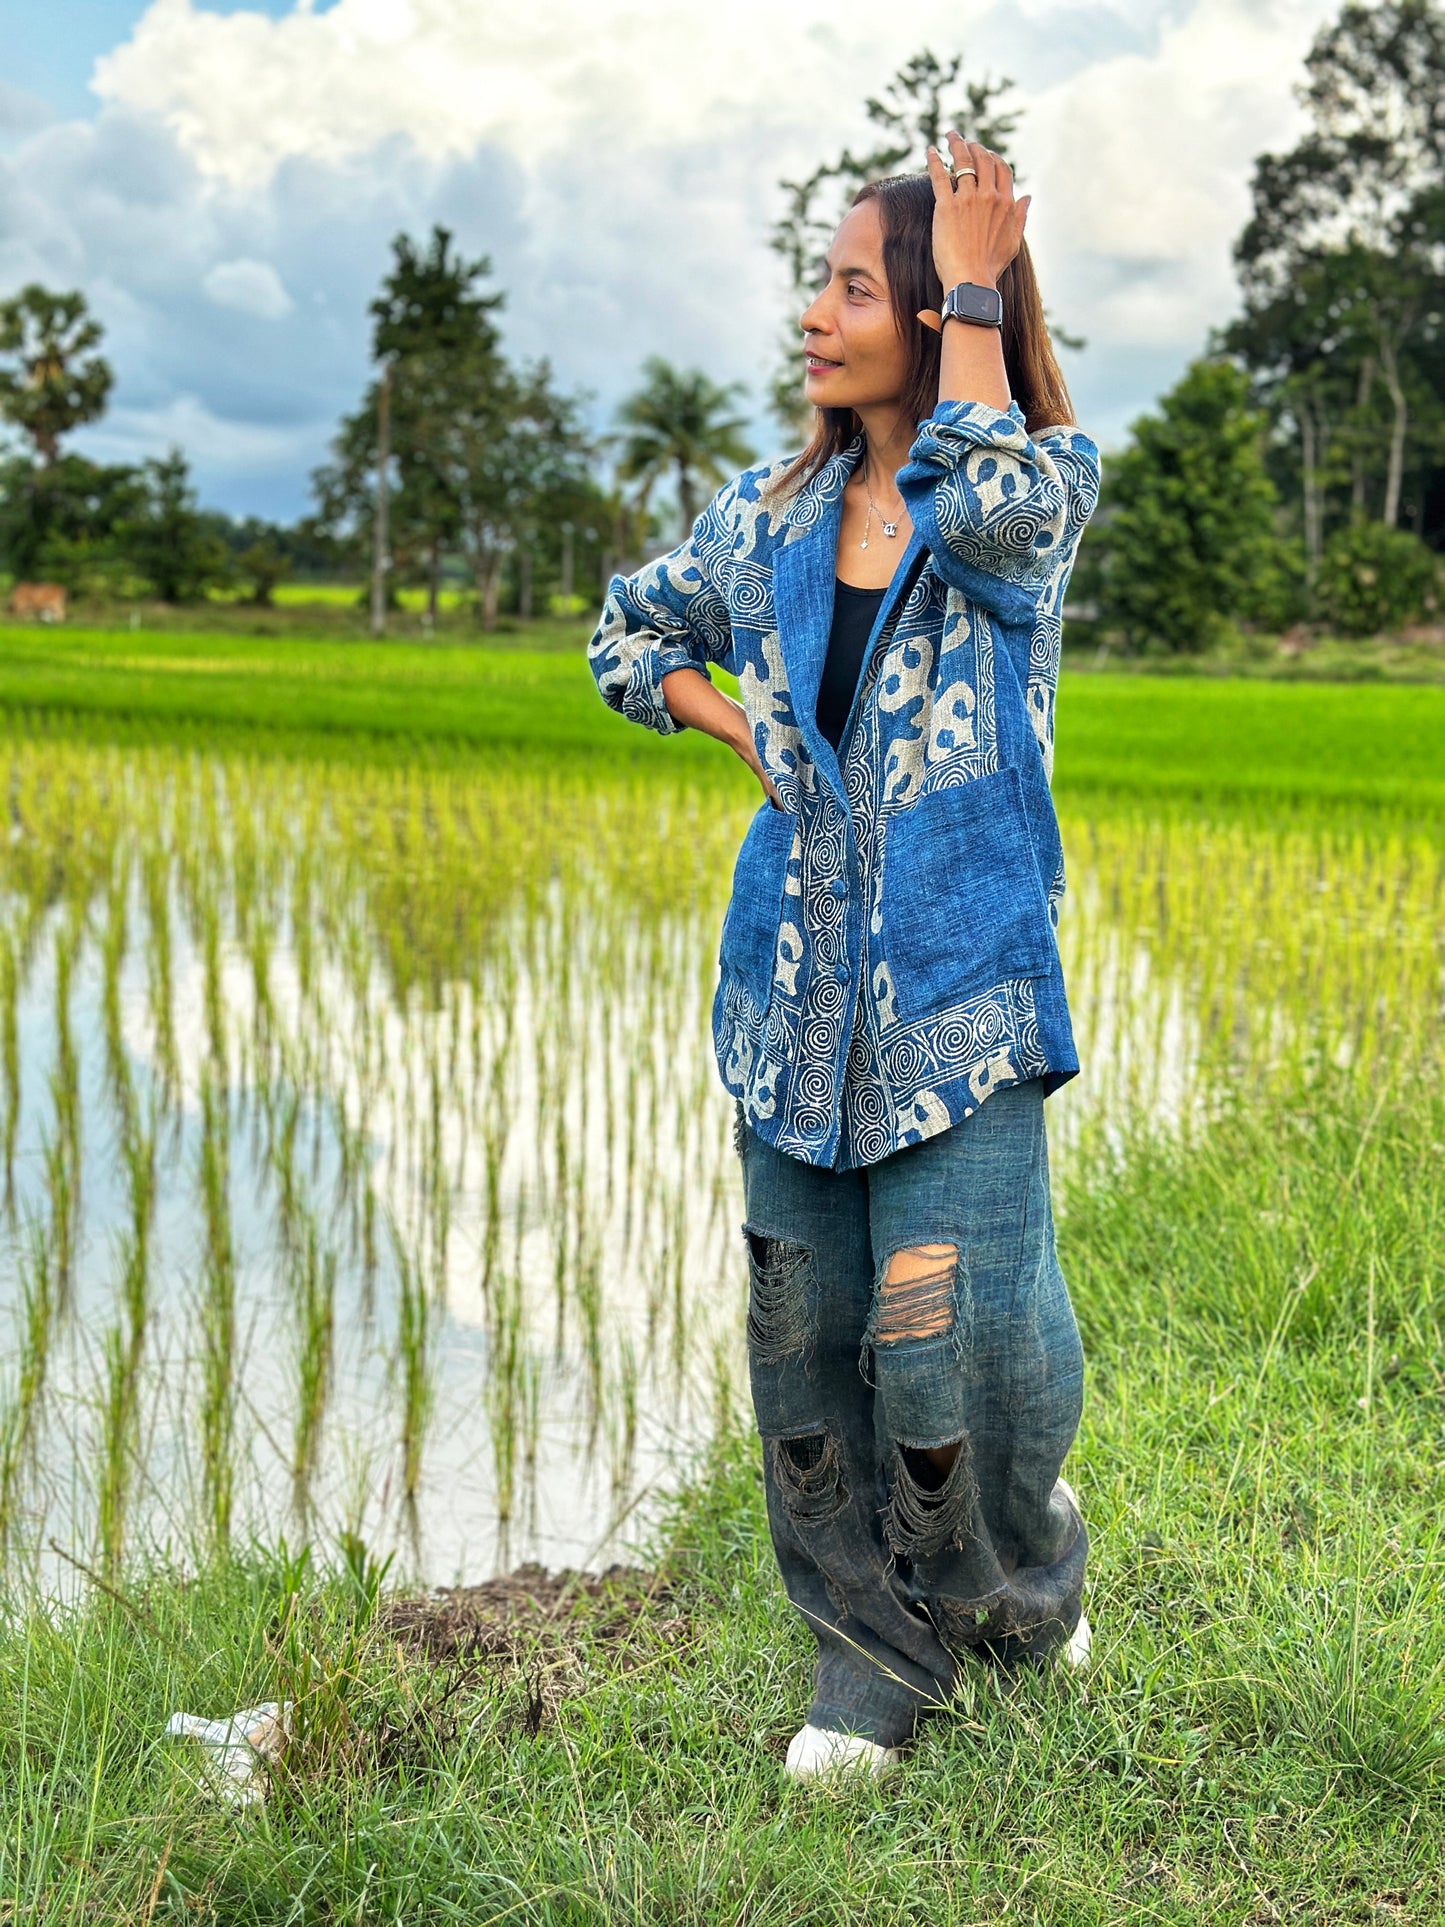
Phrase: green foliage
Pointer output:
(59, 523)
(166, 539)
(1342, 266)
(1186, 545)
(50, 382)
(1375, 579)
(262, 565)
(1259, 1286)
(680, 424)
(1261, 1310)
(1267, 746)
(484, 456)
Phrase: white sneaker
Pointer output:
(816, 1754)
(1076, 1653)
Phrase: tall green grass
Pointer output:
(1262, 1733)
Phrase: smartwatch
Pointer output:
(969, 302)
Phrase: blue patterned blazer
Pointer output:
(888, 957)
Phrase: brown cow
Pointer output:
(43, 600)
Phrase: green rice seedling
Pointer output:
(113, 951)
(437, 1180)
(218, 1315)
(9, 1059)
(65, 1078)
(531, 1416)
(313, 1290)
(210, 936)
(588, 1289)
(117, 1427)
(622, 1417)
(125, 1347)
(413, 1363)
(672, 1266)
(39, 1295)
(155, 873)
(505, 1395)
(61, 1198)
(282, 1161)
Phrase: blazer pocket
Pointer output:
(963, 906)
(750, 928)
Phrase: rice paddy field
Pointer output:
(370, 1227)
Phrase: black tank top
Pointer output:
(854, 613)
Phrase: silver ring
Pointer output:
(959, 172)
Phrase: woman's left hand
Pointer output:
(977, 223)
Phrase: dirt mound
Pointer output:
(626, 1607)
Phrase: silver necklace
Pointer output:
(889, 528)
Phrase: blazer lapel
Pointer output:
(805, 568)
(803, 603)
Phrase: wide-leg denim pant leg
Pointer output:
(897, 1316)
(810, 1263)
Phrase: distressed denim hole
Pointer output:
(917, 1297)
(808, 1472)
(927, 1510)
(779, 1272)
(963, 1624)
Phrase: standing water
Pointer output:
(366, 1170)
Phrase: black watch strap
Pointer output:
(983, 307)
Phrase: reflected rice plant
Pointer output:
(369, 1115)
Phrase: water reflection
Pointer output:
(367, 1167)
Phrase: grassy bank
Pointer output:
(1262, 1736)
(1267, 744)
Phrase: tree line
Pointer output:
(1297, 471)
(1294, 474)
(457, 459)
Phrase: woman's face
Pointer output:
(854, 356)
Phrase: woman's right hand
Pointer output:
(751, 758)
(696, 702)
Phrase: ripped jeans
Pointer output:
(916, 1304)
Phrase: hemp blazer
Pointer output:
(888, 956)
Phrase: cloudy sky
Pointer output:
(223, 181)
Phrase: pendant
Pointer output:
(864, 543)
(890, 528)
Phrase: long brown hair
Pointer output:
(905, 207)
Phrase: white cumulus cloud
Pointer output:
(618, 160)
(250, 287)
(1144, 160)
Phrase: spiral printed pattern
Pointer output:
(825, 1070)
(749, 591)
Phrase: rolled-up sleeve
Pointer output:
(1000, 511)
(671, 615)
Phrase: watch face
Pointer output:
(972, 303)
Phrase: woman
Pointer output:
(891, 1011)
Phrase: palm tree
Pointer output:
(679, 422)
